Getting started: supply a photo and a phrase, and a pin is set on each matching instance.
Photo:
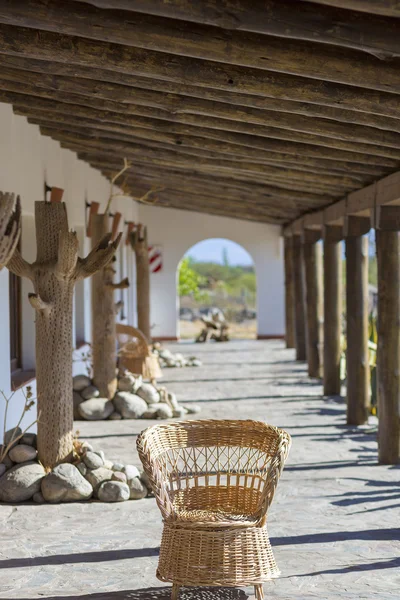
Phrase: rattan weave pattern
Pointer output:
(214, 481)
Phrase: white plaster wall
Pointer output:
(27, 160)
(177, 231)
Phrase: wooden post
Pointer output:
(358, 388)
(299, 296)
(289, 293)
(314, 302)
(388, 357)
(332, 308)
(139, 244)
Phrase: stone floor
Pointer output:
(334, 523)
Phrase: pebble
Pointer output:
(22, 453)
(151, 411)
(8, 462)
(30, 439)
(173, 402)
(97, 476)
(38, 498)
(77, 400)
(65, 484)
(101, 454)
(164, 411)
(146, 481)
(193, 409)
(80, 382)
(96, 409)
(179, 412)
(108, 464)
(118, 466)
(131, 471)
(91, 391)
(86, 447)
(149, 393)
(92, 460)
(82, 468)
(137, 489)
(113, 491)
(12, 434)
(19, 483)
(126, 383)
(130, 406)
(3, 469)
(118, 476)
(115, 416)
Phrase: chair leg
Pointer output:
(175, 591)
(258, 591)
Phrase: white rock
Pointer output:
(149, 393)
(65, 484)
(82, 468)
(179, 412)
(195, 362)
(22, 453)
(137, 489)
(101, 454)
(131, 472)
(86, 447)
(151, 411)
(77, 400)
(126, 383)
(113, 491)
(118, 466)
(115, 416)
(193, 409)
(8, 462)
(20, 482)
(108, 464)
(130, 406)
(3, 469)
(92, 460)
(146, 482)
(80, 382)
(96, 409)
(91, 391)
(118, 476)
(29, 439)
(164, 411)
(97, 476)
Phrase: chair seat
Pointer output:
(213, 518)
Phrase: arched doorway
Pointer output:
(217, 275)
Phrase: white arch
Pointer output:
(178, 230)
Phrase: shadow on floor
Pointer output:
(392, 563)
(164, 593)
(338, 536)
(84, 557)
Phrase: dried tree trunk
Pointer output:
(299, 292)
(388, 357)
(314, 306)
(104, 337)
(10, 226)
(289, 293)
(358, 388)
(332, 316)
(54, 274)
(138, 240)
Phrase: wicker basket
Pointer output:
(214, 481)
(134, 353)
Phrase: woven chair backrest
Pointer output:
(131, 342)
(193, 454)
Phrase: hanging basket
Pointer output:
(134, 353)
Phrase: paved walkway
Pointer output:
(334, 523)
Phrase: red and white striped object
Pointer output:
(155, 259)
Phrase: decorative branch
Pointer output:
(19, 266)
(145, 199)
(10, 226)
(98, 258)
(29, 402)
(126, 166)
(67, 254)
(122, 285)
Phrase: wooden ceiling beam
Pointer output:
(204, 148)
(284, 18)
(98, 28)
(213, 58)
(217, 115)
(283, 92)
(299, 151)
(193, 125)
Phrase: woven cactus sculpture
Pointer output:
(54, 274)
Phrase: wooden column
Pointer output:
(388, 357)
(358, 384)
(289, 293)
(299, 296)
(332, 308)
(314, 302)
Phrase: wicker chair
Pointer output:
(134, 353)
(214, 481)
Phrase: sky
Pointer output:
(212, 250)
